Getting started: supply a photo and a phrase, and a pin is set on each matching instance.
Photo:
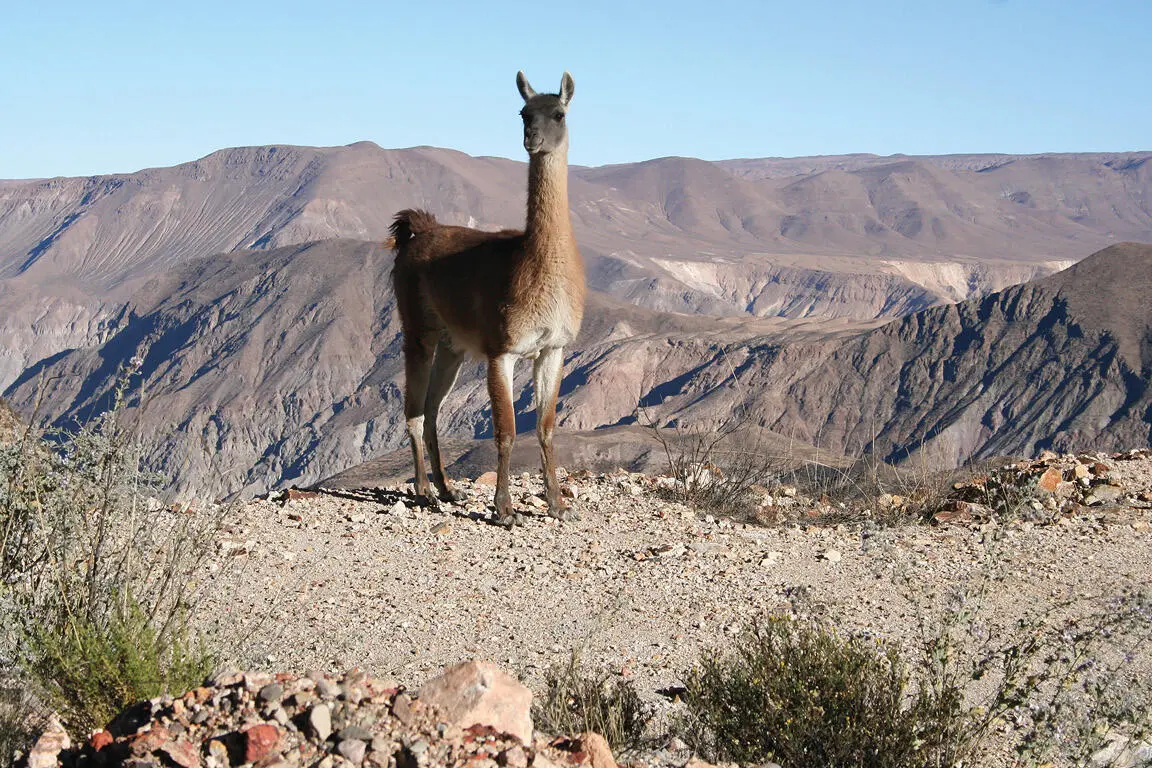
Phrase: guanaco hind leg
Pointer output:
(417, 368)
(445, 366)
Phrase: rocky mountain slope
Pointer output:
(858, 237)
(290, 368)
(287, 362)
(1063, 362)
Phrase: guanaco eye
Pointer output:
(558, 116)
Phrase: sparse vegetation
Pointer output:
(1071, 689)
(98, 575)
(576, 700)
(797, 693)
(21, 717)
(1066, 680)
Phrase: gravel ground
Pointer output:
(639, 585)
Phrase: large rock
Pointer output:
(480, 693)
(52, 741)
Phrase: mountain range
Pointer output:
(861, 302)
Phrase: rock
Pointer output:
(320, 721)
(149, 741)
(354, 732)
(1121, 752)
(100, 739)
(513, 757)
(831, 555)
(228, 679)
(598, 751)
(956, 516)
(480, 693)
(52, 741)
(402, 709)
(770, 559)
(399, 509)
(327, 689)
(488, 478)
(353, 750)
(218, 753)
(1107, 493)
(183, 753)
(259, 740)
(1050, 480)
(443, 528)
(1141, 526)
(271, 693)
(695, 762)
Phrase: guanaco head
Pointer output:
(544, 127)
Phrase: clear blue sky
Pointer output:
(97, 87)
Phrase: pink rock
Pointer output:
(54, 740)
(259, 741)
(488, 478)
(598, 751)
(98, 740)
(149, 741)
(182, 753)
(480, 693)
(1050, 479)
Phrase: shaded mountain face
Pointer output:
(1063, 363)
(259, 368)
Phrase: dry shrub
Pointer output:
(796, 693)
(1061, 688)
(98, 577)
(576, 700)
(22, 717)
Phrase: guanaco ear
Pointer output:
(567, 88)
(526, 91)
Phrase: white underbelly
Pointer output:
(534, 340)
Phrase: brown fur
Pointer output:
(498, 295)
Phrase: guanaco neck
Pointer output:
(549, 227)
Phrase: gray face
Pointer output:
(545, 129)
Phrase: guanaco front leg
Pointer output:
(546, 375)
(504, 426)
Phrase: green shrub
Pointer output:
(93, 669)
(576, 701)
(798, 694)
(97, 577)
